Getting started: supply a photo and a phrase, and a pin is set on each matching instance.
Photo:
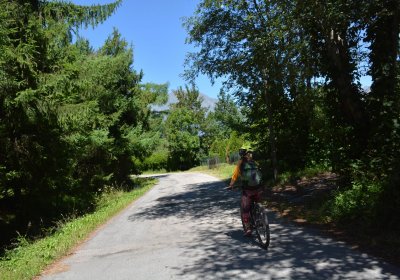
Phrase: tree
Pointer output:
(272, 50)
(35, 37)
(255, 44)
(382, 21)
(227, 115)
(151, 140)
(227, 122)
(296, 66)
(71, 119)
(183, 129)
(114, 45)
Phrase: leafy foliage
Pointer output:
(295, 67)
(183, 129)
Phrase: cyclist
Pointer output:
(250, 176)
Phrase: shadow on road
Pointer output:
(199, 201)
(219, 250)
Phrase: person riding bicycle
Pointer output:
(250, 176)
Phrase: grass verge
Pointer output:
(223, 171)
(30, 258)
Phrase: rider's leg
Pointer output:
(246, 204)
(254, 195)
(258, 195)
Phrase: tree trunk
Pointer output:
(227, 158)
(341, 74)
(350, 107)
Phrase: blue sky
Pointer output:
(154, 28)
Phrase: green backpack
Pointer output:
(250, 174)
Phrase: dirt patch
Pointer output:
(55, 269)
(302, 200)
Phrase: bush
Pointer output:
(357, 204)
(388, 206)
(157, 161)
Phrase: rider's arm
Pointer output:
(236, 173)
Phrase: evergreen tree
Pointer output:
(71, 118)
(183, 129)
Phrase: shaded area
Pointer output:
(198, 201)
(293, 254)
(308, 200)
(219, 250)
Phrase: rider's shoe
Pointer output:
(247, 232)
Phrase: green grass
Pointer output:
(223, 171)
(30, 258)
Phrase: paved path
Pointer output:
(188, 227)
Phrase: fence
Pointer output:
(213, 162)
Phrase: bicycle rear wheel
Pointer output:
(262, 225)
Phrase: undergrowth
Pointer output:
(29, 258)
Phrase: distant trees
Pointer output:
(227, 115)
(183, 129)
(189, 133)
(230, 129)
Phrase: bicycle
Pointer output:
(258, 222)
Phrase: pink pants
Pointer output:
(247, 197)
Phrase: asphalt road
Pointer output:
(188, 227)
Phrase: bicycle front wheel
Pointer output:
(262, 225)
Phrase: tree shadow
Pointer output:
(218, 249)
(198, 201)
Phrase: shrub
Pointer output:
(357, 204)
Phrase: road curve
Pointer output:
(188, 227)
